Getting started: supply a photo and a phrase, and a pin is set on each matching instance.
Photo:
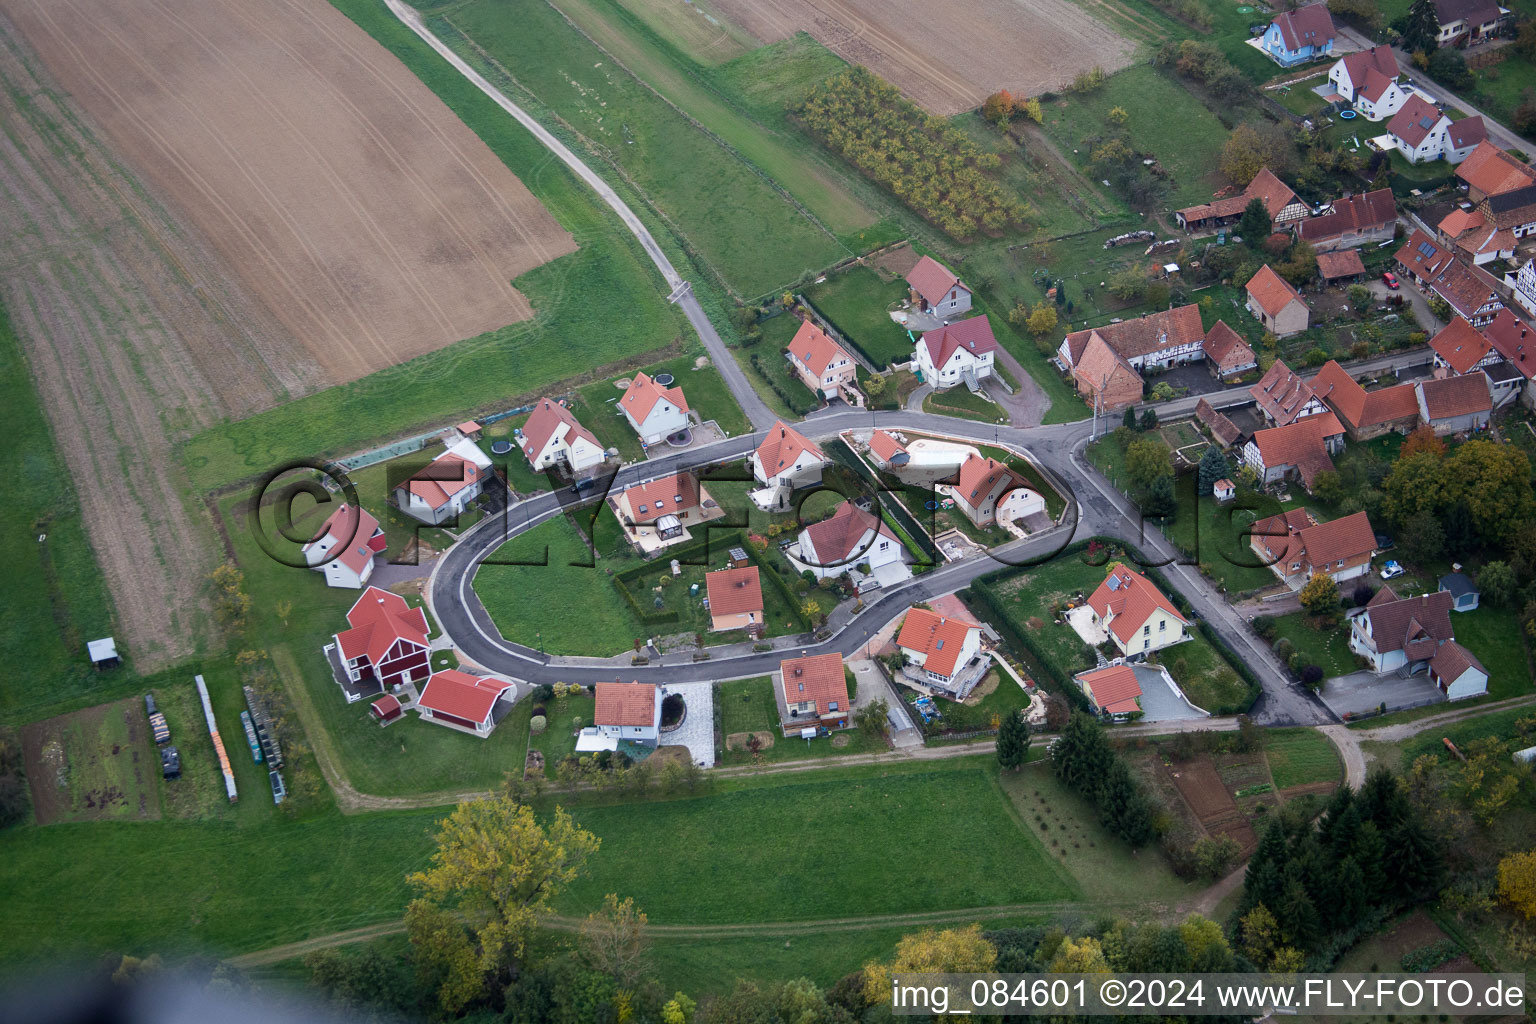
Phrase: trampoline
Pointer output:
(1347, 115)
(500, 447)
(930, 505)
(664, 379)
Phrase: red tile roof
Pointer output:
(358, 537)
(815, 349)
(1223, 429)
(1360, 408)
(1515, 341)
(643, 394)
(1464, 286)
(1114, 689)
(1301, 444)
(626, 704)
(937, 636)
(664, 496)
(1357, 213)
(973, 335)
(1457, 396)
(1493, 172)
(818, 678)
(1281, 394)
(978, 476)
(1346, 538)
(1345, 263)
(1413, 625)
(462, 695)
(885, 446)
(1277, 195)
(1225, 347)
(734, 591)
(438, 481)
(1105, 369)
(1311, 25)
(1414, 120)
(1271, 291)
(551, 419)
(1131, 598)
(378, 619)
(1469, 131)
(1168, 328)
(1377, 58)
(836, 538)
(932, 280)
(1452, 660)
(1461, 345)
(782, 446)
(1459, 222)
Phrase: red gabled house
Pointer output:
(385, 647)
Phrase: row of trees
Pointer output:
(931, 166)
(1083, 759)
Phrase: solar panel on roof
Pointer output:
(1426, 123)
(1113, 583)
(1426, 250)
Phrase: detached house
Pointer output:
(443, 489)
(1466, 22)
(1417, 131)
(472, 704)
(823, 365)
(1502, 187)
(1296, 547)
(1226, 353)
(1470, 291)
(784, 463)
(1113, 690)
(1283, 397)
(629, 712)
(1277, 305)
(384, 646)
(1366, 414)
(1513, 339)
(1295, 37)
(946, 652)
(955, 354)
(850, 537)
(1470, 235)
(1457, 672)
(1353, 221)
(1456, 405)
(735, 599)
(552, 437)
(1137, 616)
(1367, 81)
(815, 694)
(654, 411)
(344, 547)
(936, 290)
(1299, 450)
(1283, 206)
(1392, 632)
(989, 492)
(658, 513)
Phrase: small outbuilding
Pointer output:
(1464, 595)
(103, 652)
(386, 709)
(1224, 490)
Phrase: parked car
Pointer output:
(1390, 280)
(1392, 570)
(170, 763)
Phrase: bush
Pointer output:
(537, 724)
(672, 708)
(1264, 626)
(1311, 676)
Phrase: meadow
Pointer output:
(855, 302)
(1299, 757)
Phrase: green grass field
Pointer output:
(565, 717)
(1028, 596)
(961, 403)
(1326, 648)
(855, 302)
(108, 768)
(1203, 674)
(1212, 533)
(1494, 635)
(1298, 757)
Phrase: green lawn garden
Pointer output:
(961, 403)
(855, 303)
(1326, 648)
(1203, 674)
(750, 705)
(1298, 757)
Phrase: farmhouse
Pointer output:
(815, 693)
(735, 599)
(657, 513)
(1222, 429)
(552, 438)
(384, 646)
(1338, 267)
(628, 712)
(1464, 594)
(1157, 341)
(850, 537)
(936, 290)
(1470, 291)
(1465, 22)
(654, 411)
(946, 652)
(344, 547)
(1367, 81)
(1456, 405)
(1392, 632)
(444, 488)
(989, 492)
(1102, 375)
(1298, 450)
(888, 452)
(823, 365)
(472, 704)
(1513, 339)
(1470, 235)
(1366, 414)
(1282, 204)
(1277, 305)
(1295, 37)
(1283, 397)
(1502, 187)
(1136, 615)
(1114, 691)
(1352, 221)
(1461, 348)
(956, 353)
(784, 463)
(1226, 353)
(1296, 547)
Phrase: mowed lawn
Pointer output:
(1326, 648)
(855, 302)
(1298, 757)
(858, 843)
(750, 705)
(713, 197)
(1204, 675)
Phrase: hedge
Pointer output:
(800, 403)
(840, 452)
(1024, 644)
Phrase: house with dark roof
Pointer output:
(1279, 200)
(470, 704)
(958, 353)
(1295, 37)
(1466, 22)
(823, 365)
(1456, 405)
(848, 538)
(942, 652)
(1227, 355)
(342, 549)
(813, 694)
(1502, 187)
(442, 490)
(1113, 690)
(383, 646)
(1470, 291)
(552, 436)
(1464, 593)
(1366, 414)
(735, 599)
(1367, 80)
(1402, 633)
(1417, 130)
(1340, 267)
(785, 462)
(936, 290)
(626, 713)
(1222, 429)
(1297, 547)
(989, 493)
(1352, 221)
(1137, 617)
(1283, 397)
(1278, 306)
(1299, 450)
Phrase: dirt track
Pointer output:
(950, 55)
(348, 198)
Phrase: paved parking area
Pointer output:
(697, 732)
(1160, 700)
(1366, 691)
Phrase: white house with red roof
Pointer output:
(472, 704)
(785, 462)
(943, 652)
(888, 451)
(988, 492)
(1297, 547)
(735, 599)
(628, 712)
(846, 539)
(654, 411)
(384, 646)
(823, 365)
(344, 547)
(1137, 617)
(958, 353)
(814, 694)
(1368, 81)
(553, 437)
(1115, 691)
(936, 290)
(444, 488)
(657, 513)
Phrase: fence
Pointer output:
(838, 336)
(416, 443)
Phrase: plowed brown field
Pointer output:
(947, 55)
(350, 200)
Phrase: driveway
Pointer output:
(1027, 406)
(1416, 301)
(1161, 700)
(1365, 691)
(697, 732)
